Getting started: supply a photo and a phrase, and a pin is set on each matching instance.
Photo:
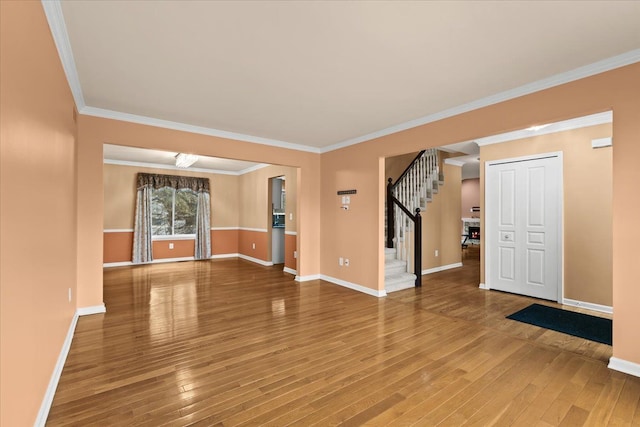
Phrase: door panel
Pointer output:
(523, 208)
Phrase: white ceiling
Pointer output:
(326, 74)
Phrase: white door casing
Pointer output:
(523, 222)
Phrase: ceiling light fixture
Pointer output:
(537, 128)
(185, 160)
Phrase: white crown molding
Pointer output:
(453, 162)
(53, 12)
(577, 123)
(608, 64)
(171, 167)
(253, 168)
(167, 124)
(601, 142)
(625, 366)
(354, 286)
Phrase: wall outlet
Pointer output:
(341, 261)
(295, 254)
(69, 294)
(253, 245)
(346, 262)
(170, 245)
(436, 252)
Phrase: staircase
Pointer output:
(414, 189)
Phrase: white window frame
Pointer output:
(173, 236)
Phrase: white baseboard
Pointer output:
(354, 286)
(43, 413)
(222, 256)
(483, 286)
(155, 261)
(290, 271)
(307, 278)
(117, 264)
(94, 309)
(588, 305)
(256, 260)
(441, 268)
(625, 366)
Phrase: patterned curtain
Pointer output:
(142, 245)
(203, 230)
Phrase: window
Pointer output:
(173, 212)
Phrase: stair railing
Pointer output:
(410, 193)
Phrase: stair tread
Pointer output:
(400, 277)
(394, 262)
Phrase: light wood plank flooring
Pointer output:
(228, 342)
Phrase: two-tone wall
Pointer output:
(587, 194)
(240, 215)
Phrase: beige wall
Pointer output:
(470, 197)
(37, 210)
(120, 195)
(587, 175)
(255, 206)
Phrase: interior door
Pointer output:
(523, 218)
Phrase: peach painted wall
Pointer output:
(291, 245)
(470, 195)
(359, 233)
(181, 249)
(248, 238)
(117, 246)
(94, 131)
(224, 241)
(37, 210)
(587, 206)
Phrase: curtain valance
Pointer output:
(176, 182)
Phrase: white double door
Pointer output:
(523, 220)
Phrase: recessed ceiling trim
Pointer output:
(608, 64)
(53, 12)
(577, 123)
(175, 168)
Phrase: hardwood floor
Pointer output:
(229, 342)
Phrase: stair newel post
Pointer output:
(417, 256)
(390, 215)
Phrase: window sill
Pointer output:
(174, 237)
